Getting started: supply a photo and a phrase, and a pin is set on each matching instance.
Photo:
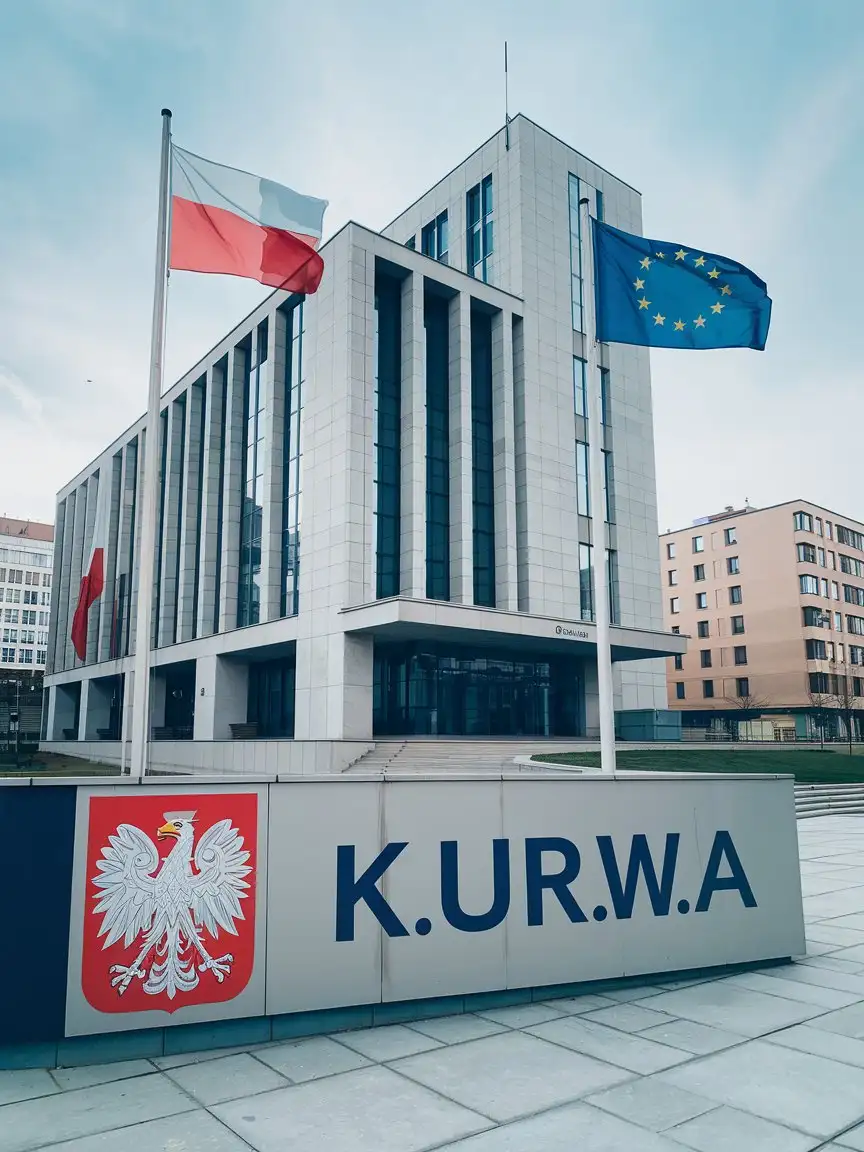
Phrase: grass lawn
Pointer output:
(810, 766)
(50, 764)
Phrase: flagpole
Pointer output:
(150, 472)
(596, 492)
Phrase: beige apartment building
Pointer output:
(772, 603)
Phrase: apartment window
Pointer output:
(25, 655)
(479, 236)
(740, 651)
(853, 595)
(705, 658)
(829, 648)
(803, 522)
(737, 625)
(670, 551)
(815, 649)
(735, 596)
(742, 686)
(41, 657)
(28, 616)
(855, 625)
(703, 629)
(10, 616)
(806, 553)
(812, 617)
(828, 530)
(730, 536)
(702, 600)
(857, 686)
(411, 242)
(708, 689)
(676, 630)
(16, 575)
(851, 537)
(809, 585)
(674, 605)
(698, 543)
(679, 662)
(698, 571)
(10, 635)
(45, 598)
(856, 654)
(818, 523)
(835, 590)
(679, 691)
(733, 568)
(831, 560)
(673, 576)
(820, 554)
(434, 238)
(7, 655)
(2, 575)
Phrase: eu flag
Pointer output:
(664, 295)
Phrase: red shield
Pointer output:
(169, 916)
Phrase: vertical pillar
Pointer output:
(273, 386)
(83, 707)
(221, 686)
(413, 441)
(504, 462)
(208, 577)
(172, 501)
(334, 687)
(461, 507)
(232, 496)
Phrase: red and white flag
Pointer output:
(93, 572)
(231, 222)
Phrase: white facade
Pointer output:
(26, 555)
(373, 514)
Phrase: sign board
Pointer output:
(316, 894)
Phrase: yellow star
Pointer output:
(658, 319)
(660, 255)
(643, 303)
(680, 254)
(678, 325)
(638, 284)
(725, 290)
(700, 260)
(699, 322)
(718, 307)
(713, 273)
(646, 263)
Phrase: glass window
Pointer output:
(674, 605)
(576, 288)
(742, 686)
(708, 689)
(586, 586)
(740, 654)
(824, 586)
(673, 576)
(815, 649)
(828, 531)
(819, 683)
(835, 590)
(482, 468)
(737, 625)
(732, 566)
(818, 523)
(735, 596)
(855, 625)
(670, 551)
(434, 238)
(676, 630)
(583, 506)
(703, 629)
(803, 522)
(809, 585)
(698, 543)
(388, 435)
(411, 242)
(479, 232)
(838, 621)
(598, 199)
(252, 489)
(679, 691)
(730, 535)
(437, 323)
(679, 662)
(580, 395)
(698, 571)
(705, 658)
(806, 553)
(820, 555)
(701, 599)
(831, 561)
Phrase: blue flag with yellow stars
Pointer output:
(663, 295)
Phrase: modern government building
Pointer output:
(373, 511)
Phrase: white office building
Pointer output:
(26, 554)
(373, 515)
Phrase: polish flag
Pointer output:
(228, 221)
(93, 578)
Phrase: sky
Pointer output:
(742, 125)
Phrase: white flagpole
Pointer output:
(597, 476)
(150, 472)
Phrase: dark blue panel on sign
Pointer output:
(37, 834)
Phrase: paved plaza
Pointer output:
(762, 1061)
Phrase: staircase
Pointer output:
(432, 756)
(829, 800)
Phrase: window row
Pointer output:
(733, 568)
(24, 656)
(730, 536)
(833, 653)
(742, 689)
(818, 586)
(804, 522)
(830, 684)
(25, 557)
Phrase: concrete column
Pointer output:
(461, 505)
(232, 497)
(222, 687)
(272, 383)
(208, 575)
(189, 526)
(504, 462)
(333, 696)
(592, 699)
(413, 441)
(50, 698)
(83, 706)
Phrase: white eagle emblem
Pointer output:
(168, 903)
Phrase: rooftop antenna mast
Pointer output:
(506, 102)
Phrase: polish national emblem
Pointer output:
(170, 908)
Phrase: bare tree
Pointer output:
(820, 703)
(746, 704)
(847, 704)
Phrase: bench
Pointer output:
(244, 731)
